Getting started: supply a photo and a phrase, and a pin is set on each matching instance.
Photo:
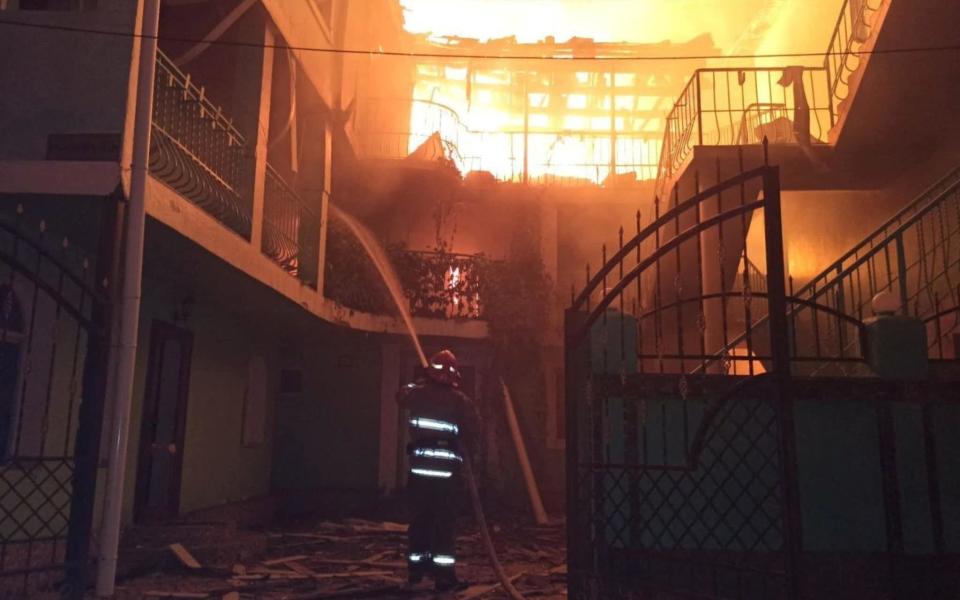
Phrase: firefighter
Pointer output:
(442, 427)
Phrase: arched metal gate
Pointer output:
(52, 371)
(679, 449)
(686, 364)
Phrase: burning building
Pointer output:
(721, 194)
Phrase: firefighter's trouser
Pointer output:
(432, 534)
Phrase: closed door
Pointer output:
(162, 429)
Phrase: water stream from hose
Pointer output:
(380, 260)
(390, 279)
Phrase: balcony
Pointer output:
(440, 285)
(291, 229)
(785, 105)
(196, 151)
(437, 285)
(742, 106)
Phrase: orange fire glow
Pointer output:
(585, 121)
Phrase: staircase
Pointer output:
(915, 254)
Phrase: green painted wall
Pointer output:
(839, 466)
(217, 467)
(328, 436)
(946, 422)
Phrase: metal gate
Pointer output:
(52, 372)
(679, 449)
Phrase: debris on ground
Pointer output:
(357, 558)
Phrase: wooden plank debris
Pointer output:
(184, 556)
(285, 559)
(476, 591)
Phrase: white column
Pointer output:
(125, 352)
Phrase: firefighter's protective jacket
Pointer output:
(442, 424)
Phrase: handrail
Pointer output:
(846, 49)
(817, 286)
(951, 180)
(671, 158)
(742, 135)
(707, 93)
(197, 94)
(278, 179)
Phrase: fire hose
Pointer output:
(505, 581)
(485, 532)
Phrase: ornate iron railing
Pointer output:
(291, 229)
(853, 29)
(440, 285)
(751, 276)
(437, 285)
(196, 150)
(742, 106)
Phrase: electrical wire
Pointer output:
(465, 56)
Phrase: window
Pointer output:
(59, 5)
(11, 334)
(255, 403)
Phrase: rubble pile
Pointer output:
(356, 558)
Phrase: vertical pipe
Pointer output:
(533, 490)
(126, 349)
(258, 200)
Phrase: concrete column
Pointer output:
(261, 136)
(325, 202)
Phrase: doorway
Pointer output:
(162, 426)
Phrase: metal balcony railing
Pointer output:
(855, 26)
(291, 229)
(437, 285)
(915, 254)
(441, 285)
(741, 106)
(196, 150)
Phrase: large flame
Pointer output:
(588, 120)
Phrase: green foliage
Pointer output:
(350, 277)
(515, 294)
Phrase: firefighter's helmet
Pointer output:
(443, 368)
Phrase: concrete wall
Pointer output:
(841, 489)
(327, 436)
(217, 467)
(63, 82)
